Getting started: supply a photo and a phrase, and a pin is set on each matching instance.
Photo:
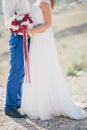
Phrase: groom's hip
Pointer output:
(15, 39)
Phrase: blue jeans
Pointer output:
(16, 73)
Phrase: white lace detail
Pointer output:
(46, 1)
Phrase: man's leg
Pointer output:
(19, 93)
(16, 74)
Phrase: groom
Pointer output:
(16, 73)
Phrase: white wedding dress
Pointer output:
(47, 94)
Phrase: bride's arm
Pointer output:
(46, 10)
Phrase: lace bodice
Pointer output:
(37, 14)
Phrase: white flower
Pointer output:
(30, 26)
(20, 13)
(9, 23)
(14, 27)
(25, 23)
(14, 17)
(19, 17)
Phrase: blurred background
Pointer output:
(70, 32)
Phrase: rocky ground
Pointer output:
(57, 123)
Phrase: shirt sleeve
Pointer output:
(8, 9)
(23, 6)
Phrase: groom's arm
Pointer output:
(8, 9)
(23, 6)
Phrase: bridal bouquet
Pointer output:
(20, 22)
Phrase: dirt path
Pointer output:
(57, 123)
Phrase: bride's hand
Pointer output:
(29, 31)
(37, 29)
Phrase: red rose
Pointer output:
(25, 18)
(15, 22)
(21, 28)
(19, 31)
(30, 20)
(16, 31)
(11, 29)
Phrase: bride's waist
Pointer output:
(49, 30)
(35, 25)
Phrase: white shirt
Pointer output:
(12, 6)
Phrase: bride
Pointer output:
(47, 94)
